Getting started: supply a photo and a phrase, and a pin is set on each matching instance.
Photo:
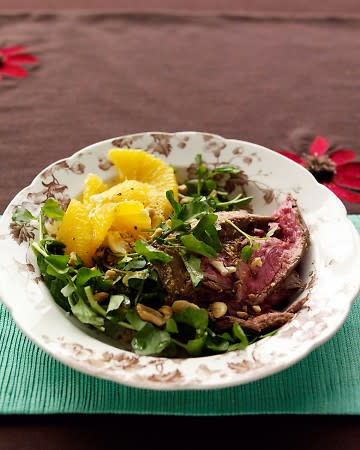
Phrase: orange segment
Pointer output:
(83, 230)
(93, 185)
(75, 231)
(131, 218)
(101, 219)
(136, 164)
(122, 213)
(126, 190)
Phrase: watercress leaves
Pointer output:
(196, 318)
(209, 183)
(194, 245)
(85, 274)
(192, 233)
(151, 253)
(206, 231)
(86, 314)
(22, 215)
(58, 264)
(52, 209)
(246, 252)
(116, 301)
(150, 340)
(193, 266)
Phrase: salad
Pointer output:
(155, 266)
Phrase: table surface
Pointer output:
(100, 432)
(288, 73)
(311, 7)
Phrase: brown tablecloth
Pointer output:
(276, 73)
(337, 7)
(274, 79)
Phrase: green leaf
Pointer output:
(210, 186)
(150, 340)
(40, 259)
(175, 205)
(52, 246)
(116, 301)
(135, 264)
(246, 252)
(193, 266)
(22, 215)
(177, 224)
(237, 346)
(194, 209)
(55, 287)
(131, 279)
(239, 334)
(52, 209)
(138, 285)
(206, 231)
(237, 201)
(194, 346)
(171, 326)
(227, 336)
(93, 303)
(85, 274)
(224, 169)
(198, 159)
(68, 289)
(123, 261)
(134, 320)
(196, 318)
(85, 314)
(151, 253)
(192, 244)
(59, 263)
(204, 222)
(217, 344)
(192, 186)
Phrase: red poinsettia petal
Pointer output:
(342, 156)
(343, 194)
(12, 50)
(352, 183)
(319, 146)
(351, 170)
(289, 155)
(22, 59)
(13, 71)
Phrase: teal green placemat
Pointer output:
(326, 382)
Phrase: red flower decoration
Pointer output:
(11, 59)
(337, 169)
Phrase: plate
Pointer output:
(330, 267)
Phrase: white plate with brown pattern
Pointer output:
(331, 281)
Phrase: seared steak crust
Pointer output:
(266, 321)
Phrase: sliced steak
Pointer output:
(263, 322)
(285, 290)
(250, 223)
(267, 279)
(175, 278)
(276, 257)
